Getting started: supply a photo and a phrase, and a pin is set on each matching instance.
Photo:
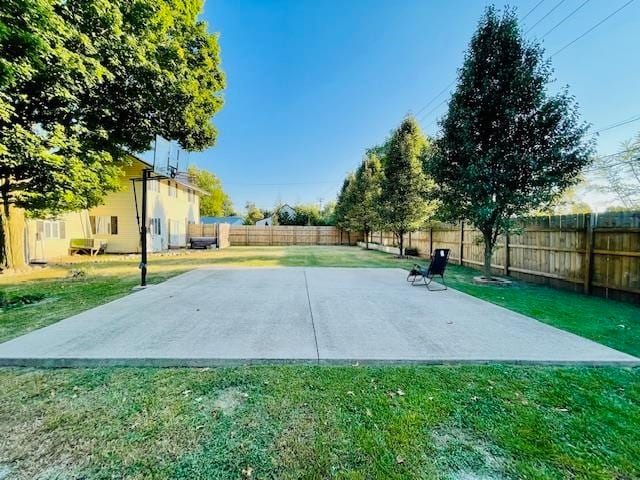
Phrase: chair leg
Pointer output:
(437, 289)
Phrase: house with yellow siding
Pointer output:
(172, 204)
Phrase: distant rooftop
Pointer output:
(233, 220)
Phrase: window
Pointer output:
(173, 188)
(155, 226)
(191, 195)
(54, 229)
(104, 225)
(153, 185)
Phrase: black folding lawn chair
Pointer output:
(437, 266)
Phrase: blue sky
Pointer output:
(311, 84)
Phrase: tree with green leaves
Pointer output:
(507, 145)
(345, 203)
(216, 203)
(367, 194)
(82, 82)
(253, 215)
(405, 186)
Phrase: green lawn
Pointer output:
(472, 422)
(466, 422)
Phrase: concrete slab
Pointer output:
(215, 316)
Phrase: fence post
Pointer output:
(430, 241)
(461, 241)
(506, 253)
(588, 254)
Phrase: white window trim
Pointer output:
(51, 229)
(102, 225)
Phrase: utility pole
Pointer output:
(144, 228)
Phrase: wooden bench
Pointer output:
(92, 246)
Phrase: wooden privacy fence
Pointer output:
(220, 231)
(253, 235)
(593, 253)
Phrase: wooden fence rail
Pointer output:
(253, 235)
(593, 253)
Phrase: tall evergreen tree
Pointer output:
(367, 194)
(507, 145)
(405, 186)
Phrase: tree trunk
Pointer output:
(11, 238)
(401, 243)
(488, 253)
(366, 238)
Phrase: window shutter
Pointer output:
(92, 221)
(62, 229)
(114, 225)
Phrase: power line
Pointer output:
(435, 98)
(633, 149)
(632, 119)
(593, 169)
(566, 18)
(426, 115)
(592, 28)
(281, 184)
(532, 10)
(545, 16)
(556, 53)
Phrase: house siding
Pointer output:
(173, 214)
(38, 247)
(121, 204)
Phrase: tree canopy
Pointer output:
(364, 213)
(253, 214)
(345, 202)
(307, 214)
(405, 186)
(82, 81)
(507, 145)
(216, 203)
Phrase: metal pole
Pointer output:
(143, 228)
